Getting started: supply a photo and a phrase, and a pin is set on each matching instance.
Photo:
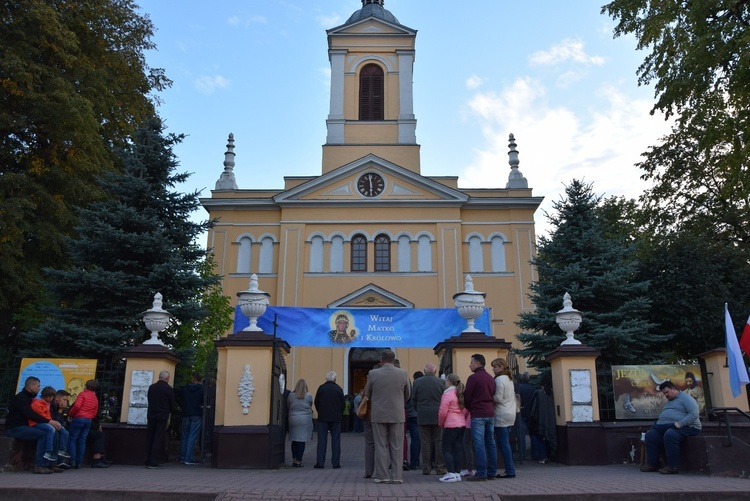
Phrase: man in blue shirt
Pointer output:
(677, 421)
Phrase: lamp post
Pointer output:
(470, 304)
(156, 320)
(253, 303)
(569, 320)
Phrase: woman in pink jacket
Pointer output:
(83, 410)
(453, 421)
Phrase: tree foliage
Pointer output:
(586, 257)
(136, 242)
(698, 64)
(74, 85)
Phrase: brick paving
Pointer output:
(533, 481)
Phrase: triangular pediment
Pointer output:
(371, 26)
(399, 185)
(371, 296)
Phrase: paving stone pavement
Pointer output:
(200, 482)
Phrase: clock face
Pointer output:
(370, 184)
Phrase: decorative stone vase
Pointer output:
(156, 320)
(569, 320)
(470, 304)
(253, 303)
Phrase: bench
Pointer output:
(20, 454)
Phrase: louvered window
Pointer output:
(359, 253)
(371, 94)
(382, 253)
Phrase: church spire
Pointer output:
(515, 178)
(226, 180)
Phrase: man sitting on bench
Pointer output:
(677, 421)
(17, 423)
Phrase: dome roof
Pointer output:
(372, 8)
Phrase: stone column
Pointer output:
(580, 437)
(719, 389)
(242, 431)
(127, 444)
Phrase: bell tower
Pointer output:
(372, 103)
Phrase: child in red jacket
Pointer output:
(83, 410)
(41, 407)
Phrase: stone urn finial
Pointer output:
(253, 303)
(569, 320)
(470, 304)
(156, 320)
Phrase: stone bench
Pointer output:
(20, 454)
(710, 455)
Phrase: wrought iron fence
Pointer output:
(606, 394)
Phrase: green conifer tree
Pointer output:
(585, 257)
(137, 242)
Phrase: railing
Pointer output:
(725, 414)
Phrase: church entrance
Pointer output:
(361, 362)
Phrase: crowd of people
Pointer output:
(61, 432)
(434, 422)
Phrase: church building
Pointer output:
(370, 231)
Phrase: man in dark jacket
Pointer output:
(426, 394)
(329, 403)
(479, 400)
(160, 405)
(17, 423)
(192, 416)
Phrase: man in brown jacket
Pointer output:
(388, 390)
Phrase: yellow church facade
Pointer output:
(370, 230)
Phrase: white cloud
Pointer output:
(566, 50)
(251, 19)
(207, 85)
(474, 82)
(557, 144)
(233, 21)
(329, 21)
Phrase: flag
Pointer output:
(745, 339)
(737, 370)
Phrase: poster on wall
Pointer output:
(68, 374)
(636, 388)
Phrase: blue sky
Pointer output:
(547, 71)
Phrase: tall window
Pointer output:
(359, 253)
(244, 254)
(382, 253)
(371, 95)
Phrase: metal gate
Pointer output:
(209, 406)
(278, 414)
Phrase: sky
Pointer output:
(547, 71)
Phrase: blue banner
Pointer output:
(363, 328)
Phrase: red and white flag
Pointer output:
(745, 339)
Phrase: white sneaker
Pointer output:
(464, 473)
(445, 477)
(451, 477)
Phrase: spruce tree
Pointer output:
(137, 242)
(585, 257)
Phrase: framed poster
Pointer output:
(636, 394)
(68, 374)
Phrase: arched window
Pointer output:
(359, 253)
(244, 255)
(336, 264)
(476, 261)
(404, 253)
(265, 261)
(424, 253)
(497, 251)
(371, 95)
(382, 253)
(316, 254)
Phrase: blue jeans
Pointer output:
(61, 440)
(191, 428)
(523, 425)
(49, 438)
(503, 443)
(485, 453)
(414, 447)
(538, 449)
(31, 433)
(79, 430)
(335, 428)
(671, 438)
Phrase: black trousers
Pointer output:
(155, 430)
